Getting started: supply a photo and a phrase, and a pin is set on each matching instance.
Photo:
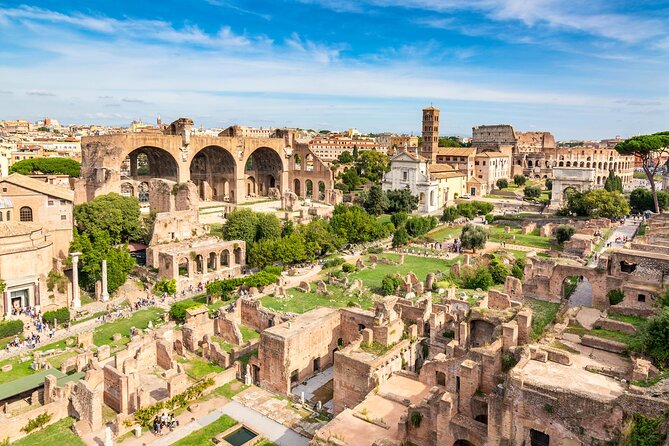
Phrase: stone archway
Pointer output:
(147, 162)
(580, 179)
(212, 169)
(309, 188)
(594, 284)
(266, 168)
(296, 187)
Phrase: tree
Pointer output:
(563, 233)
(355, 152)
(519, 180)
(268, 226)
(532, 192)
(401, 237)
(641, 200)
(597, 203)
(420, 225)
(241, 225)
(390, 283)
(502, 183)
(451, 141)
(372, 164)
(473, 237)
(549, 184)
(482, 207)
(650, 149)
(376, 201)
(450, 214)
(345, 157)
(655, 336)
(399, 219)
(113, 214)
(318, 238)
(354, 225)
(613, 182)
(479, 277)
(62, 166)
(401, 200)
(498, 270)
(466, 210)
(350, 178)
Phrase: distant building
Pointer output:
(329, 148)
(430, 142)
(246, 132)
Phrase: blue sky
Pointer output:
(577, 68)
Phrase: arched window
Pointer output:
(26, 213)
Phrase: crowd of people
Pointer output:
(164, 421)
(37, 327)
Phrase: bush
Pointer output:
(61, 314)
(498, 271)
(10, 328)
(532, 192)
(63, 166)
(450, 214)
(400, 238)
(655, 336)
(489, 218)
(399, 219)
(502, 183)
(416, 418)
(273, 270)
(615, 296)
(418, 226)
(563, 233)
(375, 250)
(479, 277)
(167, 286)
(348, 268)
(37, 422)
(517, 272)
(519, 180)
(178, 310)
(389, 284)
(645, 431)
(482, 207)
(333, 262)
(508, 361)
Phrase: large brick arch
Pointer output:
(597, 278)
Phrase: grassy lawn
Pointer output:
(19, 370)
(202, 299)
(202, 436)
(543, 313)
(637, 321)
(533, 240)
(229, 390)
(300, 302)
(517, 254)
(421, 266)
(198, 368)
(633, 341)
(139, 319)
(226, 346)
(445, 233)
(248, 333)
(57, 361)
(58, 433)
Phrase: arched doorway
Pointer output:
(578, 290)
(309, 186)
(225, 258)
(463, 443)
(321, 190)
(183, 267)
(127, 190)
(265, 166)
(251, 187)
(296, 187)
(149, 162)
(212, 170)
(143, 192)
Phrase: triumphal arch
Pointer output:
(225, 168)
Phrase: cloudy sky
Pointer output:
(578, 68)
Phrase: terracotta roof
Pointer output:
(39, 186)
(452, 174)
(474, 180)
(491, 155)
(436, 168)
(456, 151)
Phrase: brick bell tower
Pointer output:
(430, 142)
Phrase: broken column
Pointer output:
(76, 300)
(105, 292)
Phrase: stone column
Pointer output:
(105, 293)
(76, 300)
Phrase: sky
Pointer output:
(581, 69)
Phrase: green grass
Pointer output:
(198, 368)
(637, 321)
(517, 254)
(19, 370)
(301, 302)
(383, 218)
(565, 347)
(245, 358)
(229, 390)
(139, 319)
(57, 361)
(202, 436)
(533, 240)
(445, 233)
(633, 341)
(543, 313)
(58, 433)
(202, 299)
(421, 266)
(266, 443)
(248, 334)
(652, 381)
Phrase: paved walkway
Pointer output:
(269, 429)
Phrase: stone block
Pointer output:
(104, 352)
(498, 301)
(322, 288)
(6, 368)
(304, 286)
(117, 337)
(513, 287)
(85, 340)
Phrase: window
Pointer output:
(405, 175)
(63, 217)
(641, 298)
(63, 202)
(4, 189)
(50, 203)
(26, 214)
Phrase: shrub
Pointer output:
(390, 283)
(167, 286)
(274, 270)
(645, 431)
(10, 328)
(508, 361)
(502, 183)
(563, 233)
(333, 262)
(519, 180)
(479, 277)
(37, 422)
(498, 271)
(517, 272)
(178, 310)
(489, 218)
(400, 238)
(466, 210)
(348, 268)
(420, 225)
(416, 418)
(655, 336)
(145, 416)
(375, 250)
(482, 207)
(399, 219)
(61, 315)
(532, 192)
(450, 214)
(615, 296)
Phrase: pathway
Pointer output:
(268, 428)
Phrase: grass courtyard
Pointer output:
(59, 433)
(533, 240)
(139, 319)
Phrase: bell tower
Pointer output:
(430, 142)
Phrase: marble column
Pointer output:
(104, 296)
(76, 300)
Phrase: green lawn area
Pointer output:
(139, 319)
(383, 218)
(637, 321)
(202, 436)
(248, 333)
(517, 254)
(57, 361)
(633, 341)
(533, 240)
(19, 369)
(300, 302)
(198, 368)
(445, 233)
(228, 390)
(58, 433)
(202, 299)
(543, 313)
(421, 266)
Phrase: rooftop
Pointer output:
(303, 323)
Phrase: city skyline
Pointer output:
(582, 71)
